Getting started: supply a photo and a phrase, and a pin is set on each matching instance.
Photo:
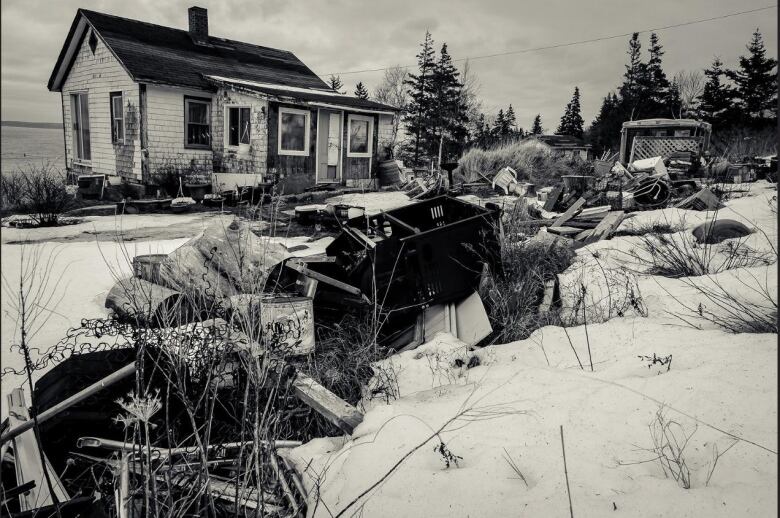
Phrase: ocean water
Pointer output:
(26, 147)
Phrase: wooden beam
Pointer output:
(304, 270)
(326, 403)
(570, 212)
(605, 227)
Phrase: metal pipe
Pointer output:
(78, 397)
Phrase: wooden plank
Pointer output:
(552, 198)
(606, 227)
(326, 403)
(564, 231)
(584, 234)
(570, 212)
(303, 270)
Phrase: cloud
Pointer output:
(348, 35)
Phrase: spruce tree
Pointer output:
(536, 127)
(715, 102)
(634, 90)
(499, 125)
(335, 83)
(756, 81)
(571, 122)
(673, 101)
(511, 121)
(449, 110)
(656, 84)
(360, 91)
(605, 129)
(420, 90)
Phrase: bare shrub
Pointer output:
(681, 255)
(38, 192)
(669, 442)
(656, 228)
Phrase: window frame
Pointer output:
(229, 107)
(78, 142)
(306, 137)
(207, 102)
(370, 136)
(111, 97)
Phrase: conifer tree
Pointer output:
(715, 102)
(656, 83)
(499, 125)
(571, 122)
(536, 127)
(335, 83)
(756, 81)
(360, 91)
(449, 110)
(511, 121)
(420, 89)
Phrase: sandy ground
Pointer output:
(720, 392)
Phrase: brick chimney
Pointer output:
(199, 24)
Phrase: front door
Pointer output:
(328, 146)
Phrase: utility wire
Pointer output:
(570, 44)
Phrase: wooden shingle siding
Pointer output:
(165, 130)
(98, 75)
(228, 161)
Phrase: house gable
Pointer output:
(97, 74)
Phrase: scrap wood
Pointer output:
(582, 236)
(27, 460)
(594, 212)
(326, 403)
(702, 200)
(564, 231)
(606, 227)
(570, 212)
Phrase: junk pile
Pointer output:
(227, 299)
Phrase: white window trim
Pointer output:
(111, 112)
(370, 136)
(226, 129)
(75, 159)
(306, 141)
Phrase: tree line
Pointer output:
(442, 114)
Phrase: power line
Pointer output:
(570, 44)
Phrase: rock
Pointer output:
(712, 232)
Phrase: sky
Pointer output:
(340, 36)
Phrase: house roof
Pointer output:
(312, 97)
(157, 54)
(561, 141)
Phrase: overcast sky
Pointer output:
(346, 35)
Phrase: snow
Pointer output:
(721, 387)
(372, 202)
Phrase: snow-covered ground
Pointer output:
(720, 392)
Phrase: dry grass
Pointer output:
(512, 295)
(531, 159)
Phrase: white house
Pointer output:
(138, 98)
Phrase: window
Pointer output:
(197, 122)
(117, 118)
(239, 128)
(359, 136)
(294, 131)
(79, 116)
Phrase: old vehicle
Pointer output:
(683, 140)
